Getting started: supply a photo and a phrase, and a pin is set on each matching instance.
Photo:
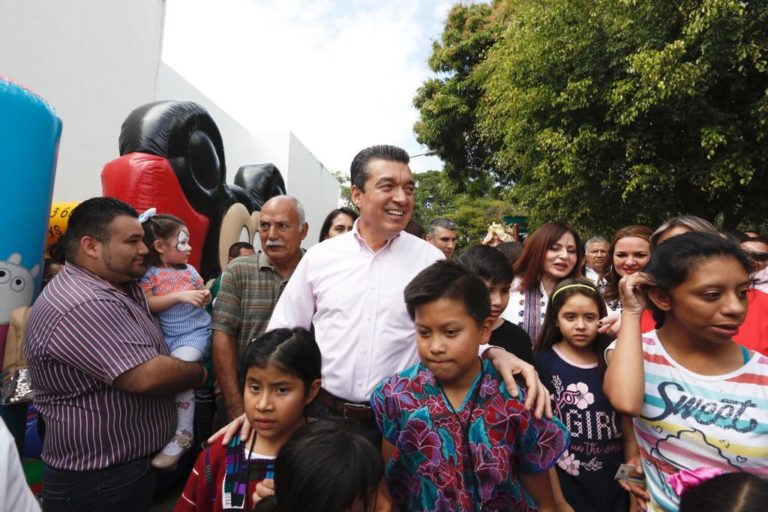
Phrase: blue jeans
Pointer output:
(124, 487)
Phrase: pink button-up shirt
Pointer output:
(354, 297)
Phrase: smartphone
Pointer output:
(628, 473)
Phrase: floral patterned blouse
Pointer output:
(468, 459)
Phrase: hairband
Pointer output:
(574, 285)
(148, 214)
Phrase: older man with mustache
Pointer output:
(250, 287)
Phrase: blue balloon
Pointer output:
(29, 138)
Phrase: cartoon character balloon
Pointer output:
(172, 159)
(29, 140)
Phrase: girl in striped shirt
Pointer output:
(699, 399)
(175, 292)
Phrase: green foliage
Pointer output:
(448, 103)
(436, 196)
(604, 113)
(345, 189)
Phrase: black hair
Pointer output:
(358, 171)
(159, 227)
(550, 332)
(415, 229)
(672, 261)
(731, 492)
(326, 466)
(325, 230)
(235, 248)
(488, 263)
(56, 252)
(449, 280)
(292, 351)
(92, 218)
(512, 250)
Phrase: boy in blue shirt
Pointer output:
(454, 438)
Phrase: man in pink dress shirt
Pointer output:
(350, 288)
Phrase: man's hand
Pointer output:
(239, 424)
(508, 365)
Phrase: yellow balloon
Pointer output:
(59, 220)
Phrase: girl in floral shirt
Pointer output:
(569, 361)
(454, 438)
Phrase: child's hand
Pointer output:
(263, 489)
(631, 289)
(197, 298)
(641, 495)
(383, 499)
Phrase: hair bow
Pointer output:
(148, 214)
(686, 479)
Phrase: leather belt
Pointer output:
(359, 411)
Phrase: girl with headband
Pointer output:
(570, 363)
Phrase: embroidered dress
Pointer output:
(527, 308)
(586, 471)
(224, 479)
(690, 420)
(183, 325)
(462, 460)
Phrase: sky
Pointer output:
(340, 74)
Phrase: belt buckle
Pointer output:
(352, 409)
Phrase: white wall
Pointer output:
(310, 181)
(95, 61)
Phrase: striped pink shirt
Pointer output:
(82, 334)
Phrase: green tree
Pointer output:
(604, 113)
(448, 103)
(437, 196)
(345, 189)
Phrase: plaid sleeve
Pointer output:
(227, 309)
